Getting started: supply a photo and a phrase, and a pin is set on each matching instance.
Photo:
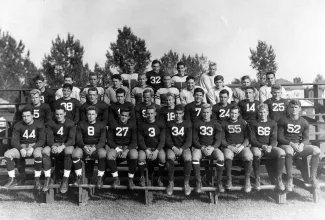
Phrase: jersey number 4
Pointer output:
(251, 108)
(224, 113)
(31, 135)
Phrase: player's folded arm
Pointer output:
(102, 139)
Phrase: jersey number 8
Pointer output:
(91, 131)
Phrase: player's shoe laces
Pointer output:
(187, 188)
(279, 184)
(116, 182)
(11, 183)
(131, 184)
(228, 183)
(170, 188)
(290, 184)
(99, 183)
(198, 188)
(37, 185)
(78, 180)
(258, 183)
(248, 186)
(64, 185)
(46, 184)
(159, 182)
(314, 182)
(142, 181)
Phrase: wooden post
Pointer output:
(316, 195)
(281, 197)
(49, 197)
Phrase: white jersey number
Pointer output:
(293, 128)
(152, 132)
(263, 131)
(91, 131)
(31, 135)
(176, 132)
(278, 107)
(234, 129)
(224, 113)
(121, 131)
(155, 80)
(206, 130)
(250, 109)
(68, 106)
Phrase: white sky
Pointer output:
(222, 30)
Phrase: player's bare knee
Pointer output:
(68, 150)
(46, 151)
(133, 154)
(77, 154)
(101, 153)
(37, 153)
(316, 150)
(111, 154)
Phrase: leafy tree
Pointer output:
(235, 81)
(263, 60)
(319, 79)
(297, 80)
(169, 62)
(127, 46)
(103, 74)
(66, 57)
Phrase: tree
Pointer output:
(103, 74)
(297, 80)
(127, 46)
(66, 57)
(169, 62)
(319, 79)
(263, 60)
(235, 81)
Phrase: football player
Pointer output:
(219, 82)
(28, 140)
(263, 139)
(140, 109)
(47, 94)
(239, 93)
(122, 144)
(235, 144)
(265, 91)
(193, 110)
(293, 138)
(277, 105)
(137, 91)
(207, 82)
(130, 78)
(68, 79)
(90, 139)
(179, 79)
(93, 82)
(206, 142)
(151, 140)
(187, 94)
(155, 76)
(220, 111)
(110, 92)
(71, 105)
(61, 135)
(167, 113)
(248, 107)
(178, 143)
(161, 98)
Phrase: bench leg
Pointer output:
(148, 194)
(49, 196)
(213, 197)
(281, 197)
(83, 192)
(316, 195)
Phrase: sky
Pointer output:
(224, 31)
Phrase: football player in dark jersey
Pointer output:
(140, 109)
(167, 113)
(155, 76)
(137, 91)
(277, 105)
(193, 110)
(248, 107)
(220, 111)
(47, 94)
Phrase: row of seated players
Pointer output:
(245, 131)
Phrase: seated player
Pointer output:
(137, 91)
(219, 82)
(71, 105)
(115, 108)
(193, 110)
(239, 93)
(90, 141)
(277, 105)
(61, 135)
(122, 144)
(220, 111)
(293, 138)
(41, 111)
(68, 79)
(178, 143)
(93, 82)
(130, 78)
(110, 92)
(28, 140)
(167, 113)
(235, 144)
(47, 94)
(161, 98)
(102, 107)
(187, 94)
(206, 142)
(155, 76)
(179, 80)
(263, 139)
(248, 107)
(141, 109)
(151, 140)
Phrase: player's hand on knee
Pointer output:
(209, 150)
(87, 149)
(23, 152)
(92, 149)
(300, 147)
(29, 152)
(232, 148)
(155, 154)
(176, 151)
(240, 148)
(149, 154)
(124, 153)
(54, 149)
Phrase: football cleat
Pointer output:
(170, 188)
(198, 188)
(64, 185)
(142, 181)
(46, 184)
(131, 184)
(228, 183)
(37, 185)
(78, 180)
(116, 182)
(258, 183)
(279, 184)
(99, 183)
(314, 182)
(290, 184)
(187, 188)
(159, 182)
(11, 183)
(248, 186)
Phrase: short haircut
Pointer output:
(68, 76)
(245, 77)
(155, 62)
(92, 74)
(60, 107)
(263, 106)
(212, 64)
(189, 78)
(117, 76)
(169, 94)
(250, 87)
(269, 73)
(152, 106)
(67, 86)
(234, 108)
(38, 77)
(142, 74)
(276, 87)
(92, 108)
(295, 102)
(180, 64)
(93, 89)
(28, 109)
(206, 106)
(34, 92)
(224, 91)
(219, 77)
(148, 91)
(179, 107)
(130, 61)
(125, 110)
(166, 75)
(198, 90)
(120, 91)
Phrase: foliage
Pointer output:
(319, 79)
(297, 80)
(235, 81)
(103, 74)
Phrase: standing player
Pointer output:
(90, 139)
(178, 143)
(293, 138)
(277, 105)
(141, 109)
(220, 111)
(137, 91)
(75, 90)
(207, 82)
(28, 140)
(187, 94)
(155, 76)
(151, 140)
(263, 138)
(235, 144)
(110, 92)
(179, 79)
(161, 98)
(219, 82)
(71, 105)
(130, 78)
(239, 93)
(102, 107)
(61, 135)
(265, 91)
(206, 142)
(248, 107)
(167, 113)
(193, 110)
(122, 144)
(93, 82)
(47, 94)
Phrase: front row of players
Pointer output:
(155, 142)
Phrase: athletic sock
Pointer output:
(288, 165)
(170, 168)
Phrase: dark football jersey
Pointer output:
(249, 110)
(179, 135)
(72, 107)
(42, 113)
(167, 115)
(102, 109)
(155, 80)
(151, 135)
(263, 133)
(221, 113)
(141, 112)
(91, 134)
(48, 96)
(277, 108)
(63, 133)
(206, 133)
(115, 109)
(234, 132)
(295, 131)
(122, 135)
(193, 112)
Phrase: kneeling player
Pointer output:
(293, 138)
(151, 140)
(91, 138)
(235, 144)
(61, 135)
(206, 141)
(178, 143)
(122, 144)
(263, 138)
(28, 140)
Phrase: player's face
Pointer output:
(223, 98)
(151, 114)
(246, 82)
(212, 70)
(27, 117)
(167, 81)
(93, 96)
(179, 116)
(120, 98)
(170, 101)
(60, 115)
(116, 83)
(93, 80)
(294, 110)
(147, 99)
(198, 97)
(190, 84)
(66, 92)
(206, 114)
(249, 93)
(39, 84)
(181, 70)
(270, 79)
(276, 94)
(263, 113)
(68, 80)
(142, 80)
(36, 99)
(234, 114)
(156, 67)
(130, 67)
(124, 117)
(91, 116)
(218, 83)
